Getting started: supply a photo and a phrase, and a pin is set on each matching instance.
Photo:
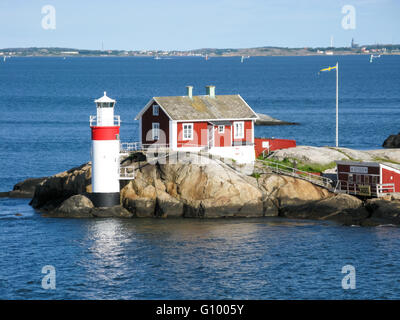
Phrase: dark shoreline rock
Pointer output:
(79, 206)
(23, 189)
(393, 141)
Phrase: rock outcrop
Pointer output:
(320, 155)
(266, 120)
(281, 192)
(79, 206)
(328, 155)
(393, 141)
(23, 189)
(188, 189)
(194, 187)
(51, 192)
(208, 188)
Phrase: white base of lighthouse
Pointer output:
(105, 173)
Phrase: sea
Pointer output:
(45, 103)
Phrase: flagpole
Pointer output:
(337, 104)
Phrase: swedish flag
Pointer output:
(328, 69)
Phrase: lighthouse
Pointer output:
(105, 154)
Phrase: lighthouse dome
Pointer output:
(105, 102)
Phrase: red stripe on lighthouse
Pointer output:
(105, 133)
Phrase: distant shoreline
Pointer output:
(177, 56)
(392, 49)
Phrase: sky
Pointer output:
(193, 24)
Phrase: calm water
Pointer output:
(44, 110)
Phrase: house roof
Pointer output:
(358, 163)
(220, 107)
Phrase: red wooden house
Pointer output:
(221, 124)
(367, 178)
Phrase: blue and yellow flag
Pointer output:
(328, 69)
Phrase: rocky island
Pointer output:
(200, 187)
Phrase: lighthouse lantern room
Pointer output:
(105, 154)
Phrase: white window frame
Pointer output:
(156, 110)
(236, 131)
(155, 131)
(219, 129)
(188, 135)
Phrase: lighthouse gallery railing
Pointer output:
(94, 121)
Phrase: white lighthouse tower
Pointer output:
(105, 154)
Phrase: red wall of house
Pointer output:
(386, 178)
(148, 119)
(198, 131)
(248, 127)
(223, 139)
(274, 144)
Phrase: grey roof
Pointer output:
(358, 163)
(206, 107)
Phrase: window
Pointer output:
(358, 179)
(221, 129)
(105, 104)
(350, 178)
(366, 179)
(155, 130)
(375, 180)
(239, 130)
(155, 110)
(188, 131)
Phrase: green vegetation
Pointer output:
(308, 167)
(256, 175)
(378, 159)
(342, 152)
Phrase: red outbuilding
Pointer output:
(371, 179)
(267, 145)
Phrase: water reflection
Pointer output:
(227, 259)
(106, 260)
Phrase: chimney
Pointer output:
(189, 91)
(210, 91)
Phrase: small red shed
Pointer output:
(371, 179)
(272, 144)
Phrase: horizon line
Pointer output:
(205, 48)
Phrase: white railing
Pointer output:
(130, 146)
(138, 146)
(384, 189)
(94, 121)
(377, 190)
(126, 173)
(296, 173)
